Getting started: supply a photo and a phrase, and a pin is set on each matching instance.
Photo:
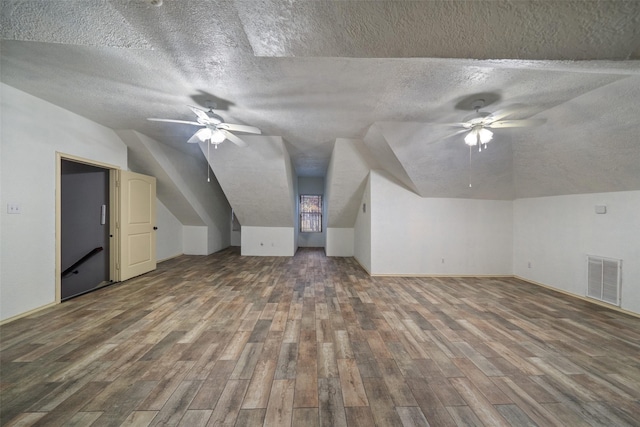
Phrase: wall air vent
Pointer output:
(603, 279)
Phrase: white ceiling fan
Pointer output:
(214, 129)
(477, 125)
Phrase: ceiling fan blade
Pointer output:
(201, 136)
(501, 114)
(515, 123)
(231, 137)
(186, 122)
(454, 134)
(202, 115)
(239, 128)
(453, 125)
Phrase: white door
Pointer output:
(137, 211)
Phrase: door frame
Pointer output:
(113, 200)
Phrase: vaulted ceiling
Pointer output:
(388, 73)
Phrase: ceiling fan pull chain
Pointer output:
(208, 162)
(469, 166)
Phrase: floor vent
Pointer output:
(603, 277)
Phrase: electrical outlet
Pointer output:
(529, 264)
(443, 260)
(13, 208)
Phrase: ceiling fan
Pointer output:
(477, 125)
(214, 129)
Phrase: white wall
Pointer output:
(208, 200)
(555, 234)
(292, 179)
(169, 234)
(414, 235)
(195, 240)
(268, 241)
(339, 242)
(28, 177)
(236, 236)
(312, 186)
(362, 230)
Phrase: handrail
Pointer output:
(72, 270)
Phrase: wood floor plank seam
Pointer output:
(311, 340)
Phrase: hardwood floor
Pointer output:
(226, 340)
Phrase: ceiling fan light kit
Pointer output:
(217, 136)
(478, 136)
(478, 124)
(215, 130)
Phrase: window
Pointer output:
(310, 213)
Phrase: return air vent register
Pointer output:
(603, 277)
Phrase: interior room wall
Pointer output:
(212, 204)
(195, 240)
(362, 230)
(268, 241)
(236, 235)
(184, 189)
(554, 235)
(169, 235)
(292, 179)
(28, 177)
(339, 242)
(431, 236)
(311, 186)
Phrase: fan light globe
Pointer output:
(485, 135)
(478, 133)
(217, 136)
(472, 138)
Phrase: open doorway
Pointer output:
(105, 225)
(85, 246)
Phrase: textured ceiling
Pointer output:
(315, 71)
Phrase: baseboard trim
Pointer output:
(507, 276)
(27, 313)
(168, 258)
(444, 276)
(580, 297)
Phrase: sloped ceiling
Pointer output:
(256, 180)
(346, 179)
(394, 71)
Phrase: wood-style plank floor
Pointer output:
(226, 340)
